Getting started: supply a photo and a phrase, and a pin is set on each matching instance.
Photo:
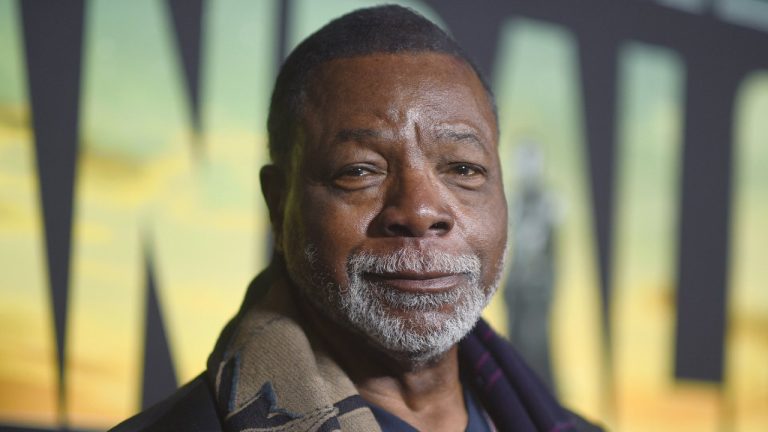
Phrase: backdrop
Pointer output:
(635, 147)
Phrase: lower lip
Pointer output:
(431, 285)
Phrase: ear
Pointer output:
(274, 189)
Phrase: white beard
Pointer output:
(435, 322)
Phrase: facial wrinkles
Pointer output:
(417, 155)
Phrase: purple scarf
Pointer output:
(509, 390)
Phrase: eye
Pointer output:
(465, 174)
(357, 176)
(355, 171)
(463, 169)
(466, 169)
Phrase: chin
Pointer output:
(420, 335)
(410, 356)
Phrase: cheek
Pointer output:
(485, 229)
(487, 235)
(498, 245)
(336, 226)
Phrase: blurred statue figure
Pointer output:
(530, 286)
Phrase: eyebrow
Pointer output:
(362, 134)
(357, 134)
(461, 136)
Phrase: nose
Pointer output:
(415, 207)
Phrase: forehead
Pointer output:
(386, 88)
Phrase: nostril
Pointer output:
(440, 226)
(400, 230)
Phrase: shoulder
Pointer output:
(190, 408)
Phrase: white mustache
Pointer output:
(417, 261)
(414, 260)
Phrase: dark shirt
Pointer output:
(476, 418)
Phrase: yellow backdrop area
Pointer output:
(150, 188)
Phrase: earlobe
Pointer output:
(273, 188)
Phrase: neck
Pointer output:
(426, 394)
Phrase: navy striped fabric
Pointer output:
(508, 389)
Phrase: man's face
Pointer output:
(394, 219)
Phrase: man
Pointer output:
(389, 219)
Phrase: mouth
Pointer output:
(418, 282)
